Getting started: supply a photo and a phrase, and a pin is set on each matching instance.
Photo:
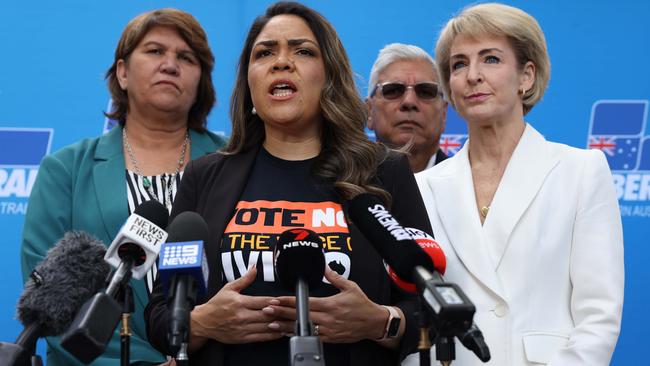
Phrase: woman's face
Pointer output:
(486, 79)
(286, 74)
(162, 73)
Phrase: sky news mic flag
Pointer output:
(451, 310)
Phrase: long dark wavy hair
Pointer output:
(347, 158)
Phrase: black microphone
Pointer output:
(183, 274)
(389, 238)
(452, 311)
(70, 273)
(300, 265)
(133, 252)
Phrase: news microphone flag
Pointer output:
(146, 233)
(182, 258)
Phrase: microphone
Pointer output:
(135, 248)
(69, 274)
(133, 251)
(183, 269)
(453, 311)
(472, 338)
(300, 264)
(392, 241)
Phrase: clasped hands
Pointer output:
(230, 317)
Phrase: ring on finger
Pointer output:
(316, 330)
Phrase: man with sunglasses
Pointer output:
(405, 104)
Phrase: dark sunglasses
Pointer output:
(394, 90)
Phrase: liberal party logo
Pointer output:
(455, 133)
(21, 151)
(618, 129)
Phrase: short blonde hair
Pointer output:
(492, 19)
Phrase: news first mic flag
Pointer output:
(148, 236)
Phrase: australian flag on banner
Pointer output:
(455, 133)
(617, 128)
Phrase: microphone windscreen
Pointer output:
(153, 211)
(392, 241)
(299, 254)
(187, 226)
(71, 272)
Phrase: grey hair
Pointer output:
(397, 52)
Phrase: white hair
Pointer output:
(397, 52)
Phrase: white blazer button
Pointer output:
(501, 310)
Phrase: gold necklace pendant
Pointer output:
(484, 211)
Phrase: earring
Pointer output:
(254, 111)
(522, 91)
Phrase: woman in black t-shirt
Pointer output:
(297, 153)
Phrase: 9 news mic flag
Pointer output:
(183, 271)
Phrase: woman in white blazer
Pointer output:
(531, 228)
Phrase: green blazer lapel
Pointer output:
(202, 144)
(110, 181)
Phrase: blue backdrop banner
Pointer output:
(53, 93)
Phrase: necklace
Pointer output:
(171, 181)
(484, 211)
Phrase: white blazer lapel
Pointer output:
(530, 164)
(453, 191)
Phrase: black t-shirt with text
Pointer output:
(282, 195)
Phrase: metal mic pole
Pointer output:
(303, 324)
(424, 346)
(305, 348)
(125, 331)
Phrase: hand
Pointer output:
(346, 317)
(170, 362)
(230, 317)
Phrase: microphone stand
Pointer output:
(23, 352)
(424, 345)
(445, 349)
(183, 297)
(305, 348)
(450, 311)
(126, 298)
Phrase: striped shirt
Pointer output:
(136, 194)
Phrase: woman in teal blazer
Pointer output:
(162, 92)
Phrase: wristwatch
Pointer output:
(392, 325)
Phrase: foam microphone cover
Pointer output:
(187, 226)
(299, 254)
(389, 238)
(72, 271)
